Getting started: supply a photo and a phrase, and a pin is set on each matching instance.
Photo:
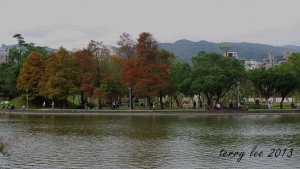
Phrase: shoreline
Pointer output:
(148, 112)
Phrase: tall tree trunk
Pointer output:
(200, 101)
(171, 102)
(160, 98)
(149, 102)
(176, 99)
(202, 96)
(82, 97)
(209, 101)
(61, 103)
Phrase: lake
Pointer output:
(150, 141)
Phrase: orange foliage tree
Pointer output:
(147, 73)
(59, 80)
(31, 74)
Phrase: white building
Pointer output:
(252, 64)
(232, 54)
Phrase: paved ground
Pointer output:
(148, 112)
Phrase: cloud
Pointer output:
(277, 36)
(75, 23)
(62, 34)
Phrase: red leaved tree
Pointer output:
(91, 70)
(86, 73)
(146, 72)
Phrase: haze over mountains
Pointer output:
(186, 48)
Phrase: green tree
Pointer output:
(179, 72)
(110, 89)
(16, 56)
(214, 75)
(263, 79)
(294, 62)
(167, 58)
(285, 80)
(9, 75)
(7, 84)
(98, 54)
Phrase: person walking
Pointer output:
(204, 106)
(184, 105)
(11, 108)
(52, 104)
(270, 105)
(43, 104)
(117, 104)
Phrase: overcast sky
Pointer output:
(73, 23)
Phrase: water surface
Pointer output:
(145, 141)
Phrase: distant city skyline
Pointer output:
(72, 24)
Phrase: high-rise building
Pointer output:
(3, 53)
(269, 62)
(286, 55)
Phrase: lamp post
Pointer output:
(238, 87)
(27, 99)
(129, 98)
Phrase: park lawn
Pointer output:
(18, 102)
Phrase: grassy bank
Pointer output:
(73, 103)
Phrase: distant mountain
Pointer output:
(292, 47)
(186, 48)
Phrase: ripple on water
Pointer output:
(147, 141)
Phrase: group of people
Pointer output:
(182, 105)
(294, 105)
(213, 106)
(115, 104)
(52, 105)
(216, 106)
(10, 108)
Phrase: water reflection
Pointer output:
(58, 141)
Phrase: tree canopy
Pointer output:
(215, 75)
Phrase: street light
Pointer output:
(238, 87)
(129, 98)
(27, 99)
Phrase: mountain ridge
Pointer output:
(184, 49)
